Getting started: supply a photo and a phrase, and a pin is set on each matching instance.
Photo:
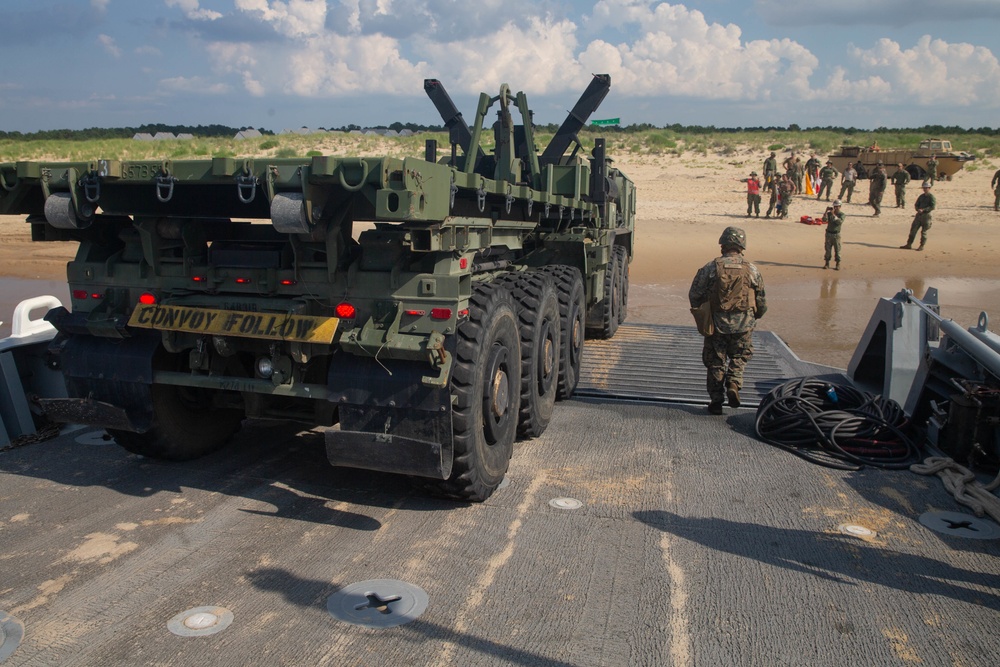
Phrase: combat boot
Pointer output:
(733, 395)
(837, 267)
(715, 407)
(826, 265)
(920, 247)
(906, 247)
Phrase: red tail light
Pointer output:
(441, 313)
(79, 294)
(147, 299)
(345, 311)
(243, 281)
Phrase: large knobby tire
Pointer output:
(622, 282)
(607, 311)
(185, 427)
(485, 385)
(572, 320)
(540, 326)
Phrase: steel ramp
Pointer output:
(659, 362)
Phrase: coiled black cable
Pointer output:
(835, 425)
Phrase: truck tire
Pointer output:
(540, 328)
(572, 325)
(603, 320)
(622, 283)
(484, 386)
(183, 427)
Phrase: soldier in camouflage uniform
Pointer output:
(899, 179)
(995, 184)
(932, 169)
(827, 175)
(876, 188)
(925, 205)
(770, 169)
(735, 288)
(785, 189)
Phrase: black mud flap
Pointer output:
(389, 420)
(94, 413)
(108, 382)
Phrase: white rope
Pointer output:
(962, 484)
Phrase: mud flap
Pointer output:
(108, 382)
(389, 419)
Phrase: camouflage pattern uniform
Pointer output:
(834, 220)
(876, 189)
(798, 172)
(785, 189)
(812, 168)
(932, 169)
(770, 169)
(899, 179)
(827, 175)
(995, 184)
(726, 352)
(924, 205)
(753, 193)
(772, 190)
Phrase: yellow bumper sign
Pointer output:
(270, 326)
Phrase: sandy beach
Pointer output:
(684, 203)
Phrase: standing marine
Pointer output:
(827, 175)
(932, 168)
(922, 220)
(834, 220)
(876, 188)
(735, 289)
(995, 184)
(812, 168)
(847, 182)
(753, 193)
(786, 187)
(770, 168)
(899, 179)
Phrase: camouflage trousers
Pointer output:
(921, 223)
(848, 187)
(753, 204)
(825, 186)
(901, 196)
(725, 356)
(875, 200)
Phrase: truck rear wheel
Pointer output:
(184, 428)
(572, 316)
(622, 282)
(604, 317)
(485, 391)
(540, 328)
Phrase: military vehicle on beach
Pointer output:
(423, 312)
(914, 161)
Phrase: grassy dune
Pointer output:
(620, 142)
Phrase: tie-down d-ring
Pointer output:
(353, 187)
(165, 187)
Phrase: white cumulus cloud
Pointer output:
(193, 10)
(295, 18)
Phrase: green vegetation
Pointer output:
(648, 141)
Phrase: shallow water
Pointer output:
(823, 320)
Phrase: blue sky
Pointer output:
(286, 64)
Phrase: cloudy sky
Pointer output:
(283, 64)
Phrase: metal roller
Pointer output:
(288, 213)
(60, 212)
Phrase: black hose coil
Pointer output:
(835, 425)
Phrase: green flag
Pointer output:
(608, 121)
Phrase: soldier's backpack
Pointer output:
(734, 292)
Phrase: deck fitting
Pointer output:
(378, 603)
(11, 634)
(200, 621)
(960, 525)
(566, 503)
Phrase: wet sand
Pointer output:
(684, 203)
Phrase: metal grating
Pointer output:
(663, 363)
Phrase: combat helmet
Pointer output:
(734, 236)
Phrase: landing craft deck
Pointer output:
(691, 542)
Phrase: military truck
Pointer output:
(423, 312)
(914, 161)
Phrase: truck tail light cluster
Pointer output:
(345, 311)
(84, 294)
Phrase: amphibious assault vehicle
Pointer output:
(423, 312)
(914, 161)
